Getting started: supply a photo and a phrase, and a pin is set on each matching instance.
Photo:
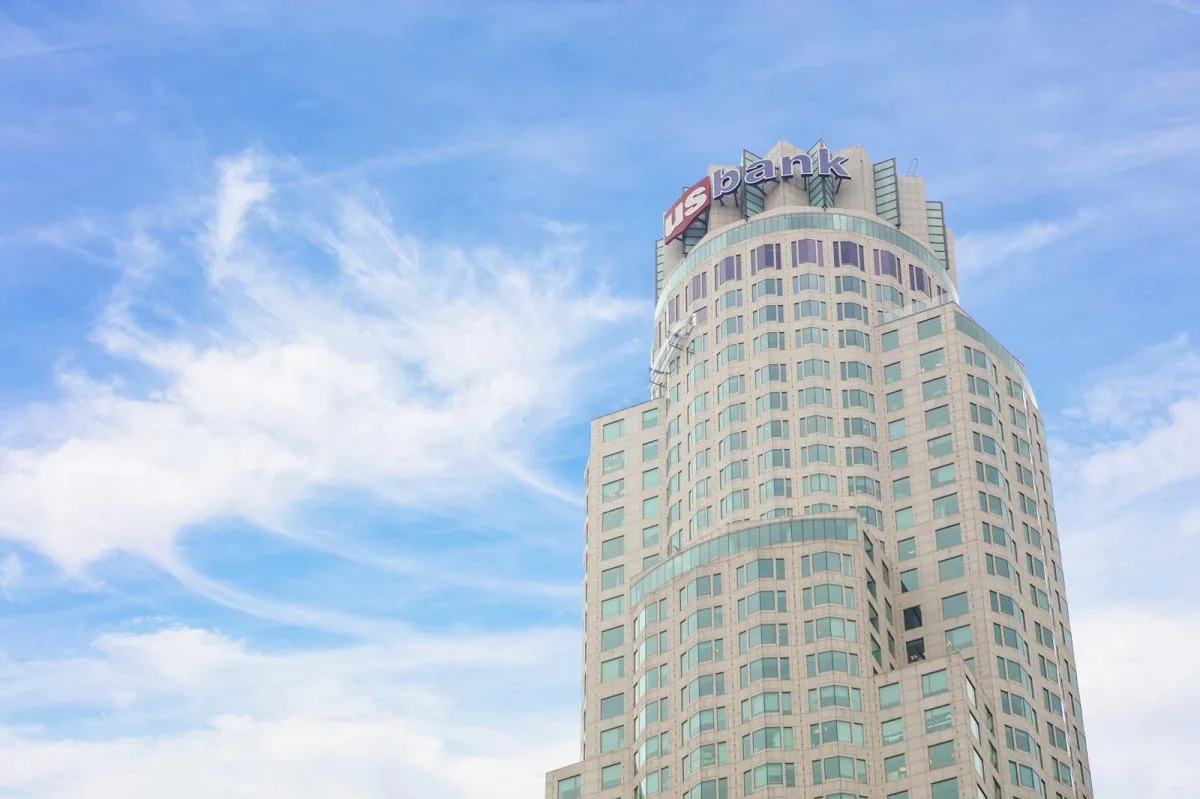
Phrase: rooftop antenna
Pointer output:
(912, 168)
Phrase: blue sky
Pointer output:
(305, 307)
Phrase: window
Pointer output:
(941, 755)
(830, 627)
(932, 389)
(858, 426)
(946, 789)
(812, 335)
(703, 721)
(898, 458)
(831, 660)
(612, 607)
(937, 718)
(826, 562)
(893, 731)
(853, 310)
(612, 638)
(948, 536)
(757, 705)
(650, 479)
(894, 401)
(889, 696)
(825, 594)
(934, 683)
(933, 360)
(929, 328)
(941, 476)
(612, 739)
(613, 462)
(834, 696)
(937, 417)
(774, 459)
(807, 251)
(649, 451)
(809, 309)
(951, 568)
(570, 788)
(610, 776)
(902, 488)
(761, 635)
(612, 548)
(828, 732)
(611, 578)
(763, 600)
(705, 685)
(958, 638)
(612, 706)
(955, 605)
(832, 768)
(765, 669)
(897, 428)
(854, 338)
(941, 446)
(912, 617)
(891, 340)
(612, 669)
(861, 456)
(945, 506)
(612, 490)
(769, 774)
(767, 738)
(649, 418)
(894, 768)
(891, 373)
(612, 519)
(612, 431)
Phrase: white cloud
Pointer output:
(188, 713)
(980, 252)
(1140, 688)
(11, 570)
(1127, 480)
(312, 348)
(1139, 391)
(1186, 6)
(17, 41)
(1131, 450)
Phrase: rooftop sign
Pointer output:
(724, 182)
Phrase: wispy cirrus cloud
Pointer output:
(314, 348)
(978, 252)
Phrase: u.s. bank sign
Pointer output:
(723, 182)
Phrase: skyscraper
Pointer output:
(822, 559)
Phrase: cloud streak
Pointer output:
(315, 349)
(981, 252)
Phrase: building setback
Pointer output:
(822, 560)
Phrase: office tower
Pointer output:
(822, 559)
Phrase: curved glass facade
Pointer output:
(751, 538)
(785, 222)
